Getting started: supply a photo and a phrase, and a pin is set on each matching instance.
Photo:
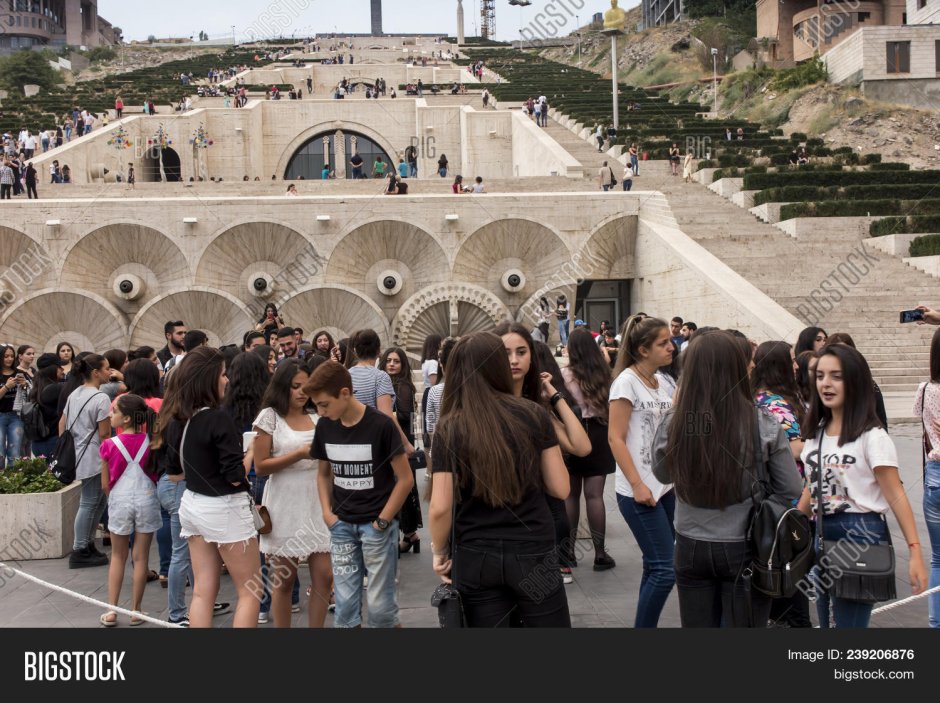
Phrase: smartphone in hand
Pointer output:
(911, 316)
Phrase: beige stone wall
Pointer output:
(928, 14)
(260, 140)
(328, 272)
(845, 62)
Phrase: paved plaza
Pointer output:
(604, 599)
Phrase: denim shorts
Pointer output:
(217, 519)
(137, 512)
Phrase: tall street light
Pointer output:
(715, 78)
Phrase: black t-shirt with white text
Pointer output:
(361, 459)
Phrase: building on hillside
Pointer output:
(792, 31)
(25, 24)
(894, 64)
(660, 12)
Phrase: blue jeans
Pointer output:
(181, 568)
(413, 170)
(606, 187)
(563, 331)
(357, 551)
(635, 165)
(627, 183)
(11, 436)
(90, 509)
(44, 447)
(857, 528)
(932, 517)
(165, 543)
(656, 536)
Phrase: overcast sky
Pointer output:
(182, 18)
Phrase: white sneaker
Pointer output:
(262, 618)
(566, 576)
(295, 608)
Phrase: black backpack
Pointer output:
(34, 422)
(780, 537)
(63, 463)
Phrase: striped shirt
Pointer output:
(433, 412)
(369, 383)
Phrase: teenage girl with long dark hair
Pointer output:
(499, 454)
(532, 381)
(394, 362)
(639, 397)
(705, 446)
(587, 379)
(860, 477)
(927, 407)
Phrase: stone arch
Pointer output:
(84, 319)
(27, 263)
(338, 309)
(223, 317)
(382, 245)
(497, 247)
(94, 261)
(448, 309)
(610, 251)
(331, 126)
(236, 254)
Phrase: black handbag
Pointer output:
(446, 598)
(857, 571)
(419, 460)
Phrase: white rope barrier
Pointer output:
(905, 601)
(86, 599)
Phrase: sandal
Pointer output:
(135, 621)
(152, 576)
(164, 581)
(107, 621)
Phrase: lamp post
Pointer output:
(233, 35)
(715, 78)
(613, 33)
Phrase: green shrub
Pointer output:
(800, 177)
(880, 166)
(815, 141)
(843, 150)
(926, 246)
(807, 73)
(798, 137)
(904, 225)
(725, 160)
(28, 476)
(791, 194)
(859, 208)
(869, 159)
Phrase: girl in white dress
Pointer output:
(282, 451)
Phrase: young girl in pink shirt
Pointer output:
(133, 506)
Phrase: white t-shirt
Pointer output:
(428, 367)
(849, 483)
(649, 406)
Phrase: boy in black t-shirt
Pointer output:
(363, 481)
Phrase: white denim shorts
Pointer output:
(217, 519)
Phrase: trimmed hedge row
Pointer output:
(904, 225)
(760, 181)
(859, 208)
(926, 246)
(890, 166)
(789, 194)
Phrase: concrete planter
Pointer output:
(39, 525)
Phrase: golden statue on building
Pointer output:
(615, 17)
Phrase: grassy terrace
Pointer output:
(158, 83)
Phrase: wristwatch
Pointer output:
(382, 524)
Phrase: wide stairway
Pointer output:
(790, 269)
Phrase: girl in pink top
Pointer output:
(132, 498)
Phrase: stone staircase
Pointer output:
(789, 269)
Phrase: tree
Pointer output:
(27, 68)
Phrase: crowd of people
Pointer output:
(317, 444)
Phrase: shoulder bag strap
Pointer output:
(453, 531)
(183, 439)
(819, 487)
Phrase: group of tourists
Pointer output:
(317, 444)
